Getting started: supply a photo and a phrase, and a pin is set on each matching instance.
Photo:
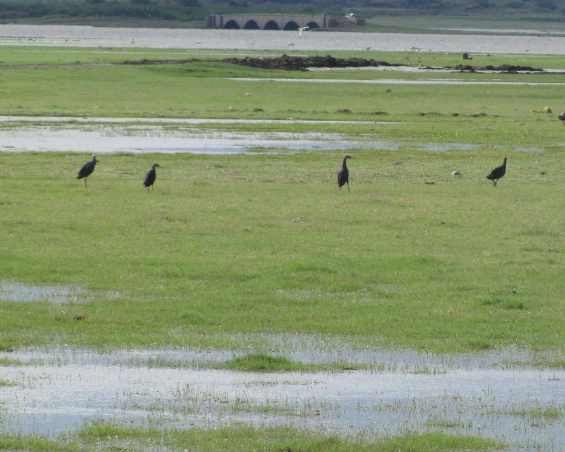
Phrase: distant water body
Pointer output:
(85, 36)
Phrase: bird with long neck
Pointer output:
(343, 174)
(150, 177)
(497, 173)
(87, 169)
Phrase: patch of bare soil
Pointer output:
(296, 63)
(284, 62)
(502, 68)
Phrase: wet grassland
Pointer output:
(232, 247)
(267, 243)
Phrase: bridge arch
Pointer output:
(267, 21)
(232, 25)
(251, 25)
(271, 25)
(291, 25)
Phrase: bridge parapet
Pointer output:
(267, 21)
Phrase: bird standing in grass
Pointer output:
(343, 174)
(497, 173)
(87, 169)
(150, 177)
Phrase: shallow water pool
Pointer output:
(473, 396)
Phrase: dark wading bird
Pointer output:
(87, 169)
(497, 173)
(343, 174)
(150, 177)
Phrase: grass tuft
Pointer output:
(259, 362)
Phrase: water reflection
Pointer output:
(472, 399)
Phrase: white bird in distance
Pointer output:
(300, 30)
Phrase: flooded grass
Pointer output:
(475, 399)
(10, 362)
(553, 363)
(264, 363)
(445, 423)
(260, 362)
(545, 413)
(28, 293)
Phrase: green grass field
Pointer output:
(216, 250)
(102, 436)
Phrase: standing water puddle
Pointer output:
(98, 120)
(160, 139)
(397, 81)
(470, 396)
(53, 294)
(137, 139)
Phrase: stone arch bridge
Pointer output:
(266, 21)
